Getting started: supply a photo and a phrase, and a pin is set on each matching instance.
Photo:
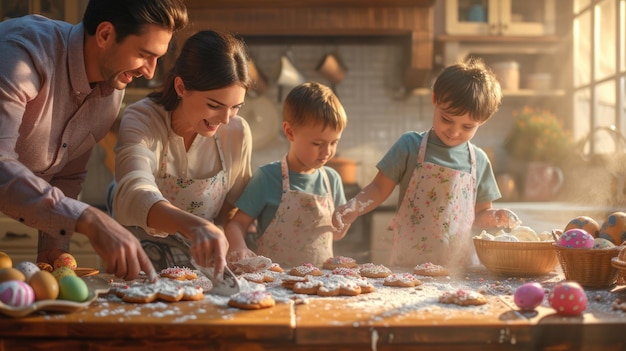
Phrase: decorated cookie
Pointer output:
(404, 280)
(462, 297)
(252, 300)
(371, 270)
(339, 261)
(430, 269)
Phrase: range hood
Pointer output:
(407, 20)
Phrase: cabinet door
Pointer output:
(500, 17)
(528, 17)
(469, 17)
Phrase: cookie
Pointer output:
(252, 264)
(307, 287)
(275, 267)
(430, 269)
(258, 277)
(339, 261)
(290, 280)
(370, 270)
(347, 272)
(305, 269)
(403, 280)
(251, 300)
(463, 297)
(169, 290)
(178, 273)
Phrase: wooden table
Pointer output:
(364, 322)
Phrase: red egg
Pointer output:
(528, 296)
(568, 298)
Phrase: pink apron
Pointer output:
(301, 230)
(434, 221)
(202, 197)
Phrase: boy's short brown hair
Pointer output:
(468, 87)
(314, 103)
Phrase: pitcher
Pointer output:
(543, 181)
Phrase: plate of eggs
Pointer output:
(26, 288)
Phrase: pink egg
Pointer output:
(16, 293)
(577, 239)
(528, 296)
(568, 298)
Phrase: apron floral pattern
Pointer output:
(301, 230)
(434, 221)
(202, 197)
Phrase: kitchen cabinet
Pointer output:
(67, 10)
(500, 17)
(20, 242)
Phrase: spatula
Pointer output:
(226, 285)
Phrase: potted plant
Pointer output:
(539, 141)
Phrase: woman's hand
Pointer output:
(237, 254)
(208, 246)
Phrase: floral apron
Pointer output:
(301, 230)
(434, 221)
(202, 197)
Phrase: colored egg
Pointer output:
(601, 243)
(577, 239)
(528, 296)
(589, 224)
(45, 286)
(614, 228)
(73, 288)
(568, 298)
(16, 293)
(44, 266)
(62, 272)
(7, 274)
(5, 260)
(65, 260)
(28, 269)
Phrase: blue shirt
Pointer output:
(400, 161)
(262, 195)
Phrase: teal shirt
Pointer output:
(400, 161)
(262, 195)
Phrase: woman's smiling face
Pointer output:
(202, 112)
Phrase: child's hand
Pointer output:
(345, 215)
(237, 254)
(507, 219)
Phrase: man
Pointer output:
(61, 87)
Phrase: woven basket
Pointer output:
(516, 259)
(621, 268)
(588, 267)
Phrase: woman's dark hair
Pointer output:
(208, 60)
(130, 16)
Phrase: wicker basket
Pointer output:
(588, 267)
(516, 259)
(621, 268)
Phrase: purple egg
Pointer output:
(528, 296)
(16, 293)
(577, 239)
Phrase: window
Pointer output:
(599, 77)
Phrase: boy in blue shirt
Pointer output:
(446, 183)
(293, 199)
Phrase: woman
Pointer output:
(183, 155)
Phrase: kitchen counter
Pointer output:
(386, 319)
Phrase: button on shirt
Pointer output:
(50, 119)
